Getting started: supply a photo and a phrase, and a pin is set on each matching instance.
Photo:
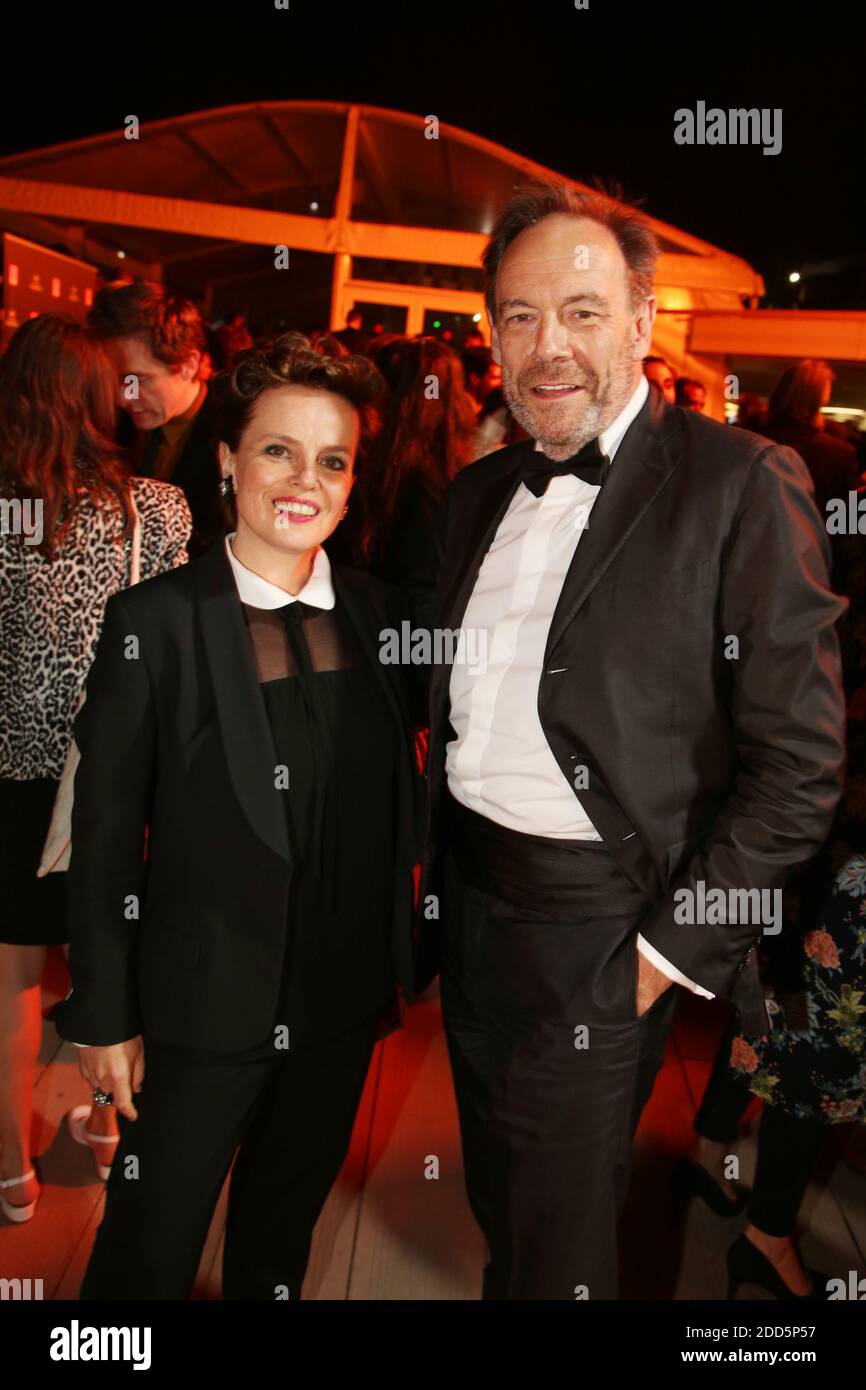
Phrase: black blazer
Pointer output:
(699, 767)
(196, 472)
(187, 946)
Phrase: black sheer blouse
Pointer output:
(337, 748)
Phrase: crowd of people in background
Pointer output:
(150, 353)
(427, 432)
(794, 415)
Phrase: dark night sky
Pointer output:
(585, 92)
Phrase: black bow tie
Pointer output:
(588, 465)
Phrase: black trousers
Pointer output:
(788, 1148)
(552, 1069)
(290, 1119)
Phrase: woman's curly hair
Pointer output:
(292, 360)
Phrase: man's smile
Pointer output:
(558, 391)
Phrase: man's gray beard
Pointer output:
(590, 427)
(596, 417)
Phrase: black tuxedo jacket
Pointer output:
(187, 944)
(196, 472)
(701, 766)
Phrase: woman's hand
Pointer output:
(118, 1069)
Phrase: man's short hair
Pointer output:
(663, 360)
(170, 325)
(800, 392)
(634, 236)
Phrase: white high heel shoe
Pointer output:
(78, 1118)
(23, 1213)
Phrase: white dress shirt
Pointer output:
(500, 763)
(261, 593)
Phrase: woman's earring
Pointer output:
(343, 512)
(227, 486)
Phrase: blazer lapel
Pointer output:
(243, 719)
(364, 621)
(644, 461)
(361, 618)
(490, 507)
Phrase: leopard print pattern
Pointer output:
(51, 614)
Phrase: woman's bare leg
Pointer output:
(20, 1039)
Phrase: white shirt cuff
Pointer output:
(671, 971)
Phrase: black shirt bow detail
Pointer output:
(318, 874)
(589, 464)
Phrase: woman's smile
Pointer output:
(294, 511)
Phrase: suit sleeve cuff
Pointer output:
(671, 971)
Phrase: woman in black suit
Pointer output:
(230, 982)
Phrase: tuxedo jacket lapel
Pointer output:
(648, 454)
(246, 733)
(367, 623)
(362, 620)
(488, 511)
(643, 463)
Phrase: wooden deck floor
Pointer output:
(389, 1232)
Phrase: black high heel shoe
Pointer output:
(691, 1180)
(747, 1265)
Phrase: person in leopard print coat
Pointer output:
(67, 517)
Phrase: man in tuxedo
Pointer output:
(658, 714)
(156, 341)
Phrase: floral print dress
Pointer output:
(813, 1064)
